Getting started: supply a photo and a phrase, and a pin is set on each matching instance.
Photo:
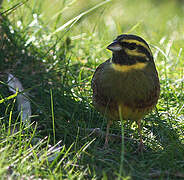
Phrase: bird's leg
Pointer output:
(141, 145)
(107, 134)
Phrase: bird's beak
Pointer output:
(114, 46)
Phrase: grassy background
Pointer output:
(54, 48)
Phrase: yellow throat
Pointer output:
(126, 68)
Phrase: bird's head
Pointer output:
(129, 50)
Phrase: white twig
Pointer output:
(24, 105)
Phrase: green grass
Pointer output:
(54, 48)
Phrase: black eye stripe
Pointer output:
(139, 48)
(133, 46)
(144, 50)
(130, 46)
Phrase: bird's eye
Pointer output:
(132, 46)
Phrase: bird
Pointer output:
(128, 82)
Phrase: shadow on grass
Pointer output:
(34, 68)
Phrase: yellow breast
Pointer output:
(127, 113)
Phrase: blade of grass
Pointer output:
(77, 18)
(122, 144)
(8, 11)
(52, 111)
(9, 97)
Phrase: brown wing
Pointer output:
(100, 100)
(152, 96)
